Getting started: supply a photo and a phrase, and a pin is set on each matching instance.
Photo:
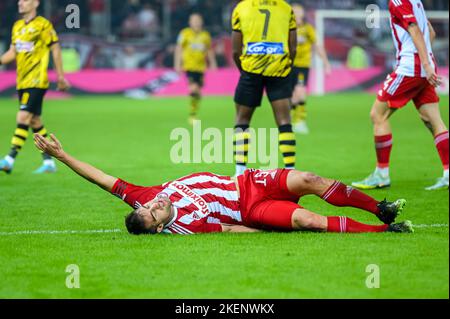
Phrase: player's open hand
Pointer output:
(63, 84)
(432, 77)
(51, 147)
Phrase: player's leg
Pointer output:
(303, 219)
(281, 106)
(242, 137)
(195, 87)
(287, 141)
(288, 216)
(21, 133)
(248, 97)
(299, 98)
(48, 165)
(431, 116)
(380, 115)
(341, 195)
(18, 141)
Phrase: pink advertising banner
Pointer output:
(164, 82)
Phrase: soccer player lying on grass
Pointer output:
(257, 200)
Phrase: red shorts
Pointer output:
(265, 201)
(398, 90)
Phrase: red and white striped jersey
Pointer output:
(403, 13)
(202, 202)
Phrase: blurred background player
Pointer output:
(264, 41)
(306, 39)
(32, 39)
(194, 49)
(414, 79)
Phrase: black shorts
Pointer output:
(31, 100)
(299, 76)
(250, 89)
(195, 78)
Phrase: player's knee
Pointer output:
(35, 122)
(311, 179)
(24, 118)
(375, 117)
(303, 220)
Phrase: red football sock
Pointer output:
(345, 196)
(383, 145)
(348, 225)
(441, 141)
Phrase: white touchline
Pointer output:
(108, 231)
(58, 232)
(432, 226)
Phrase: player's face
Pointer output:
(299, 13)
(196, 22)
(27, 6)
(156, 213)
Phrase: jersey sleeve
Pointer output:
(129, 193)
(292, 22)
(202, 226)
(48, 34)
(403, 13)
(236, 20)
(312, 34)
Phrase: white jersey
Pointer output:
(403, 13)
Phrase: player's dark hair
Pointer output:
(136, 226)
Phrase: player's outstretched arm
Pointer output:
(419, 42)
(293, 44)
(324, 57)
(432, 32)
(238, 42)
(63, 84)
(9, 56)
(92, 174)
(226, 228)
(177, 57)
(212, 59)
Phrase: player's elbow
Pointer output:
(55, 48)
(414, 30)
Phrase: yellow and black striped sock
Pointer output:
(299, 113)
(241, 144)
(18, 140)
(287, 145)
(43, 132)
(195, 103)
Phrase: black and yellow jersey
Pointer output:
(32, 43)
(306, 38)
(265, 27)
(195, 47)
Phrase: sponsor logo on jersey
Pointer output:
(23, 46)
(265, 48)
(195, 199)
(198, 46)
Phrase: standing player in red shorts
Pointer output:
(257, 200)
(414, 79)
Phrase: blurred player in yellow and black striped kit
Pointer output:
(33, 37)
(264, 45)
(306, 38)
(193, 51)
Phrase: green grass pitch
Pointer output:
(130, 139)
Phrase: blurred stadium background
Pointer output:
(135, 35)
